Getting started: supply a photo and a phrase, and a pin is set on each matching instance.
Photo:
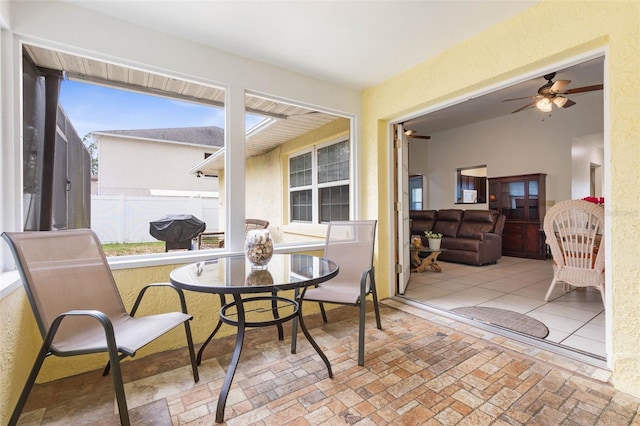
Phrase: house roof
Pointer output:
(209, 136)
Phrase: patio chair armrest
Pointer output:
(99, 315)
(363, 280)
(183, 303)
(102, 318)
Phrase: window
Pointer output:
(60, 191)
(319, 186)
(415, 192)
(193, 178)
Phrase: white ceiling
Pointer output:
(354, 43)
(492, 105)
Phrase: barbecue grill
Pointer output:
(177, 231)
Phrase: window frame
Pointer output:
(234, 163)
(315, 185)
(301, 188)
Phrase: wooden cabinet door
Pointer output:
(513, 238)
(533, 238)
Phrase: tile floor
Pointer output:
(575, 319)
(421, 369)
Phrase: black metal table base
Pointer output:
(241, 323)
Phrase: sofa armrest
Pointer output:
(488, 236)
(500, 224)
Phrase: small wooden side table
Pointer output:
(421, 265)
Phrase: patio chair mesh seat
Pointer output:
(78, 308)
(350, 244)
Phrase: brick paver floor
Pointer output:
(420, 369)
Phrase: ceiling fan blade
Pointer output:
(583, 89)
(529, 105)
(568, 103)
(519, 99)
(418, 137)
(559, 85)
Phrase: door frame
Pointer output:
(607, 187)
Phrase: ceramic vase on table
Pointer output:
(258, 248)
(434, 243)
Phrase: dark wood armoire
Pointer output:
(522, 200)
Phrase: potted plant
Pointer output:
(434, 238)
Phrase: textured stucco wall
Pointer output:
(18, 348)
(527, 43)
(264, 190)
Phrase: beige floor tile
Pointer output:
(523, 284)
(585, 344)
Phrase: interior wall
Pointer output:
(516, 144)
(585, 152)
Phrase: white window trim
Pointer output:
(315, 186)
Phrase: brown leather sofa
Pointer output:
(469, 236)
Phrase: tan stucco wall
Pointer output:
(327, 133)
(523, 44)
(19, 345)
(264, 190)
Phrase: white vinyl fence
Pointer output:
(124, 219)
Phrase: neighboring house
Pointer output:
(156, 161)
(146, 171)
(519, 46)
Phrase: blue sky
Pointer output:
(92, 107)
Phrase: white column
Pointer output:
(234, 165)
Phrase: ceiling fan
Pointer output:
(411, 134)
(552, 93)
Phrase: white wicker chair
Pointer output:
(575, 234)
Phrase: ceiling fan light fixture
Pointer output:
(560, 101)
(544, 105)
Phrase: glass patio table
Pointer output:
(253, 291)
